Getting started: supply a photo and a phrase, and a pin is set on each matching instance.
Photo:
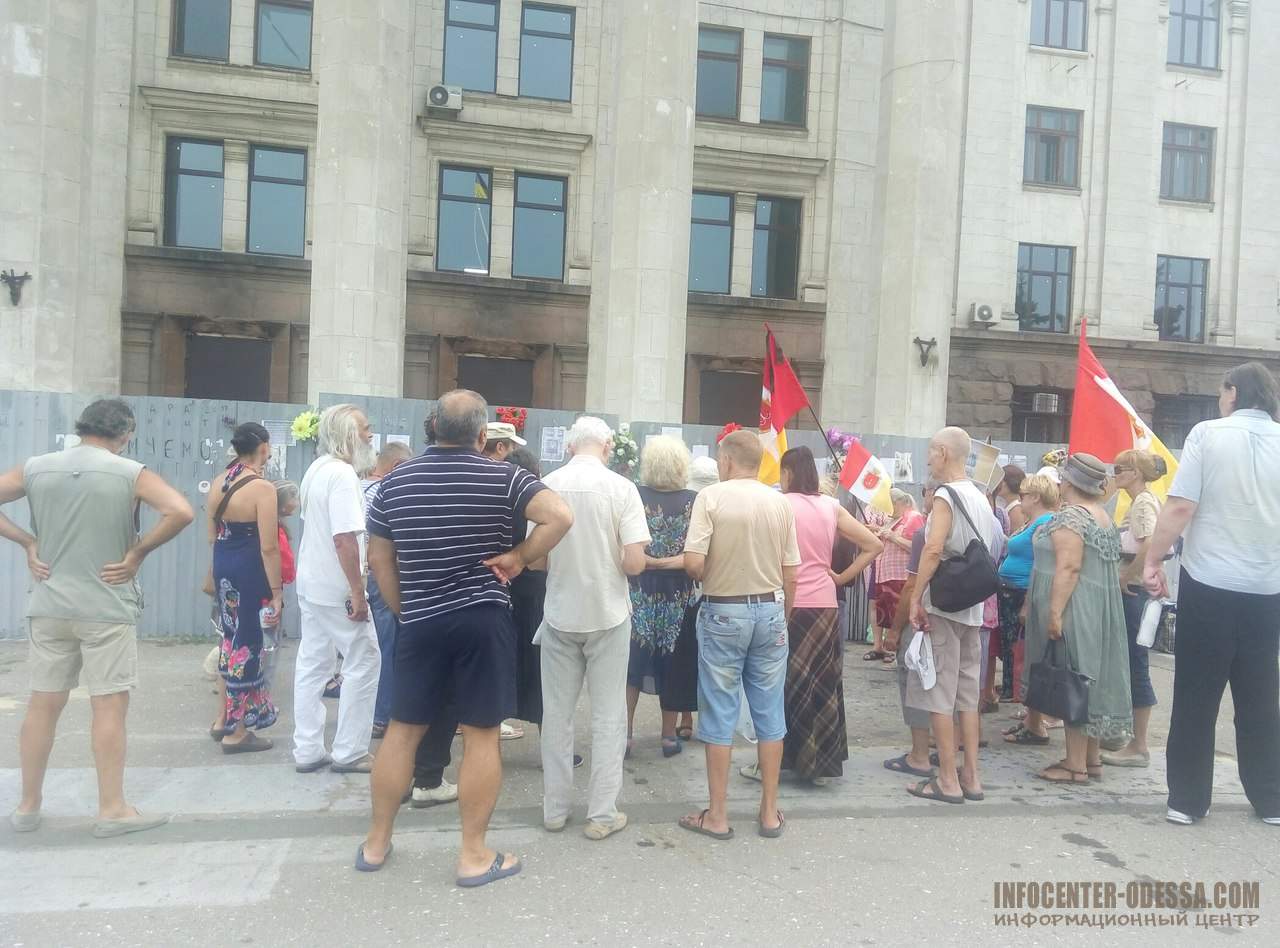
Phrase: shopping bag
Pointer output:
(919, 659)
(1054, 689)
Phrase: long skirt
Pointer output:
(679, 689)
(242, 589)
(817, 743)
(1011, 633)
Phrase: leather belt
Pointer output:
(752, 600)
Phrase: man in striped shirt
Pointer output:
(440, 548)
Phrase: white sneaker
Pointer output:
(597, 830)
(556, 825)
(509, 732)
(1271, 820)
(1182, 819)
(751, 772)
(445, 793)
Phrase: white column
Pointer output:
(641, 257)
(744, 235)
(66, 71)
(235, 194)
(922, 105)
(363, 65)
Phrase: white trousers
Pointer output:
(567, 658)
(326, 631)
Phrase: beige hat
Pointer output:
(502, 431)
(1086, 474)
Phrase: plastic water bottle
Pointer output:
(269, 621)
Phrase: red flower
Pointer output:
(727, 430)
(516, 417)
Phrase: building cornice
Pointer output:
(232, 116)
(455, 140)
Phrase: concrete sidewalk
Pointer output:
(259, 854)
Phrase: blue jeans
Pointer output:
(387, 626)
(741, 645)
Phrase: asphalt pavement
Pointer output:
(257, 854)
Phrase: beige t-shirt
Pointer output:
(1140, 521)
(747, 531)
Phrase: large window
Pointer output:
(1193, 33)
(1043, 300)
(1176, 415)
(1180, 293)
(1060, 24)
(471, 44)
(193, 194)
(537, 248)
(719, 72)
(710, 242)
(284, 34)
(1186, 163)
(784, 83)
(277, 200)
(775, 254)
(546, 52)
(462, 237)
(1051, 154)
(202, 29)
(1041, 416)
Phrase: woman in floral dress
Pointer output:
(661, 593)
(245, 579)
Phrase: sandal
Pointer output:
(773, 832)
(1074, 777)
(694, 825)
(250, 744)
(684, 733)
(872, 655)
(671, 746)
(889, 658)
(932, 784)
(1025, 736)
(900, 765)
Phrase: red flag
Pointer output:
(783, 394)
(1103, 423)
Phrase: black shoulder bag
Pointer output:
(1056, 690)
(963, 581)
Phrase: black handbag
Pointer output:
(1056, 690)
(968, 579)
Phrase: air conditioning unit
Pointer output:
(1045, 403)
(448, 98)
(981, 314)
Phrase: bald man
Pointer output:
(742, 547)
(959, 509)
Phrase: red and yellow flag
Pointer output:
(781, 397)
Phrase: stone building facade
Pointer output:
(257, 199)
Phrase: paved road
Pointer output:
(260, 855)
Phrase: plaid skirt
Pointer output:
(817, 743)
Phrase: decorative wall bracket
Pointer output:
(926, 348)
(14, 280)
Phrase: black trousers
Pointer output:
(1225, 637)
(433, 753)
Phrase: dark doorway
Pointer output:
(500, 381)
(229, 369)
(729, 396)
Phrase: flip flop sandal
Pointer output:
(671, 746)
(972, 796)
(1026, 737)
(872, 655)
(695, 826)
(492, 874)
(932, 784)
(252, 743)
(684, 733)
(363, 865)
(775, 831)
(1015, 729)
(1064, 780)
(899, 765)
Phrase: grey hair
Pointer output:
(588, 430)
(339, 435)
(664, 463)
(899, 496)
(285, 492)
(110, 418)
(394, 451)
(460, 417)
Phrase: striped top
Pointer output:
(446, 511)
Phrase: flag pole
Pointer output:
(835, 457)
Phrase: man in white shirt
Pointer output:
(331, 599)
(586, 628)
(1226, 497)
(954, 636)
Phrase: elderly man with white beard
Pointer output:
(332, 601)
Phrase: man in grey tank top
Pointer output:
(85, 602)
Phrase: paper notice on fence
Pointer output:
(677, 433)
(983, 466)
(278, 464)
(376, 443)
(552, 444)
(904, 474)
(397, 439)
(701, 451)
(281, 432)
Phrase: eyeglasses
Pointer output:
(1123, 470)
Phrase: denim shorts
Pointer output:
(741, 647)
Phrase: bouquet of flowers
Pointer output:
(306, 425)
(626, 454)
(516, 417)
(727, 430)
(840, 441)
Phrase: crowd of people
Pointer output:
(460, 590)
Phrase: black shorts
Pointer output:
(467, 656)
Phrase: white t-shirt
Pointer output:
(979, 510)
(1228, 468)
(331, 504)
(587, 591)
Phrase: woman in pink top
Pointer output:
(817, 744)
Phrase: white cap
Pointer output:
(503, 431)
